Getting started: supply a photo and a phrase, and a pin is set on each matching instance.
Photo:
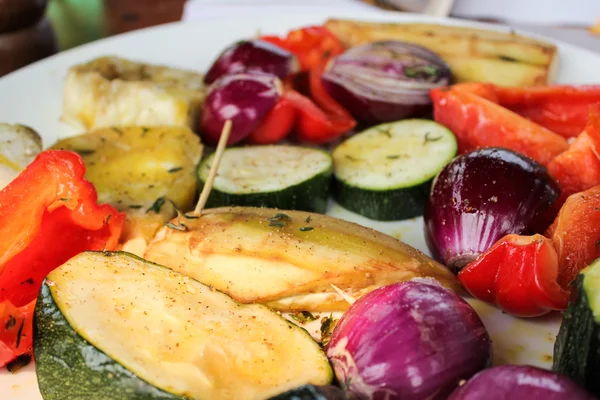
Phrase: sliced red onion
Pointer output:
(480, 197)
(245, 99)
(409, 340)
(253, 56)
(385, 81)
(520, 382)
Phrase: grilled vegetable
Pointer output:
(385, 172)
(576, 233)
(385, 81)
(120, 327)
(110, 91)
(16, 332)
(477, 122)
(277, 176)
(409, 340)
(517, 274)
(474, 55)
(19, 145)
(253, 55)
(519, 382)
(576, 348)
(480, 197)
(578, 168)
(319, 119)
(244, 98)
(306, 253)
(313, 45)
(141, 171)
(48, 213)
(276, 125)
(564, 109)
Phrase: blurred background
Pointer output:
(33, 29)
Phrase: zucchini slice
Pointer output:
(275, 176)
(385, 172)
(577, 346)
(115, 326)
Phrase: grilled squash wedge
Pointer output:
(140, 171)
(288, 259)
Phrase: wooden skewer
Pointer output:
(212, 174)
(351, 300)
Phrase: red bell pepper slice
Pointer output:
(576, 234)
(518, 274)
(312, 45)
(16, 331)
(578, 168)
(48, 214)
(276, 125)
(314, 125)
(562, 109)
(477, 122)
(481, 89)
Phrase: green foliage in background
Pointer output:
(76, 21)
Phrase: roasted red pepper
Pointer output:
(48, 214)
(16, 331)
(312, 45)
(576, 234)
(314, 125)
(324, 121)
(276, 125)
(478, 122)
(578, 168)
(561, 109)
(518, 274)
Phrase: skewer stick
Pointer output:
(351, 300)
(212, 174)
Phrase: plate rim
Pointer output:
(374, 16)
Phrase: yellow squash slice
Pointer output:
(288, 260)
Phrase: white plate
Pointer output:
(33, 96)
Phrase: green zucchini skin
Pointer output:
(312, 392)
(286, 182)
(385, 172)
(311, 195)
(384, 205)
(70, 368)
(577, 346)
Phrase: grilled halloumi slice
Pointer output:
(474, 55)
(112, 91)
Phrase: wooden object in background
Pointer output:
(17, 14)
(128, 15)
(25, 36)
